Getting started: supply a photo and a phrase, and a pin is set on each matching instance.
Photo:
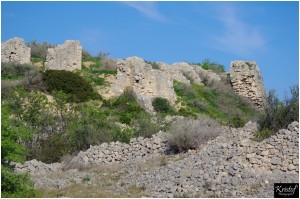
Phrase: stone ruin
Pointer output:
(15, 50)
(64, 57)
(145, 82)
(247, 81)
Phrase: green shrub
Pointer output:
(162, 105)
(184, 90)
(262, 134)
(52, 148)
(70, 83)
(125, 107)
(123, 135)
(236, 122)
(15, 185)
(209, 65)
(143, 126)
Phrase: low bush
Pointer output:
(24, 75)
(236, 121)
(125, 107)
(262, 134)
(143, 126)
(209, 65)
(13, 71)
(70, 83)
(51, 149)
(162, 105)
(190, 134)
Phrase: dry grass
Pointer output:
(104, 184)
(91, 191)
(159, 161)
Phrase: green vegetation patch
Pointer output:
(14, 71)
(279, 114)
(93, 73)
(224, 106)
(13, 138)
(162, 105)
(71, 83)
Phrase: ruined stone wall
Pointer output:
(65, 57)
(247, 81)
(15, 50)
(146, 82)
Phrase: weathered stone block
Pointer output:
(65, 57)
(15, 50)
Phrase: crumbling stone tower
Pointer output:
(247, 81)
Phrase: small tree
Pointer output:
(281, 113)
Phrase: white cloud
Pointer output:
(148, 9)
(237, 36)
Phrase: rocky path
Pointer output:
(231, 165)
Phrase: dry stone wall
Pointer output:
(15, 50)
(231, 165)
(222, 167)
(108, 153)
(247, 81)
(65, 57)
(280, 152)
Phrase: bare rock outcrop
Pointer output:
(65, 57)
(186, 70)
(247, 81)
(146, 82)
(207, 75)
(15, 50)
(181, 72)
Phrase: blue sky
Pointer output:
(265, 32)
